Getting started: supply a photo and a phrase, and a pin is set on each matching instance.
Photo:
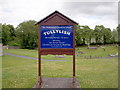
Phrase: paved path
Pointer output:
(59, 83)
(26, 57)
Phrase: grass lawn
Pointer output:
(92, 73)
(24, 52)
(18, 72)
(87, 52)
(99, 52)
(0, 72)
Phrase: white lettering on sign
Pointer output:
(56, 31)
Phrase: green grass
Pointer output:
(87, 52)
(99, 52)
(92, 73)
(98, 73)
(0, 72)
(18, 72)
(25, 52)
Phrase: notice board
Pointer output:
(56, 36)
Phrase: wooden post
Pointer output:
(73, 50)
(39, 58)
(73, 65)
(39, 70)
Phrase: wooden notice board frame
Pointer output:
(56, 18)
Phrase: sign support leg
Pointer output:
(73, 68)
(39, 70)
(73, 65)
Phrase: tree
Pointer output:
(12, 31)
(27, 33)
(107, 35)
(98, 33)
(118, 30)
(86, 34)
(83, 35)
(0, 32)
(114, 36)
(6, 34)
(78, 37)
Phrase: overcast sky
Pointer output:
(89, 13)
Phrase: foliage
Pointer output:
(114, 36)
(78, 38)
(27, 33)
(0, 32)
(8, 33)
(13, 43)
(100, 35)
(107, 35)
(118, 30)
(83, 35)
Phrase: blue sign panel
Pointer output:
(60, 36)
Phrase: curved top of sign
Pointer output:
(56, 13)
